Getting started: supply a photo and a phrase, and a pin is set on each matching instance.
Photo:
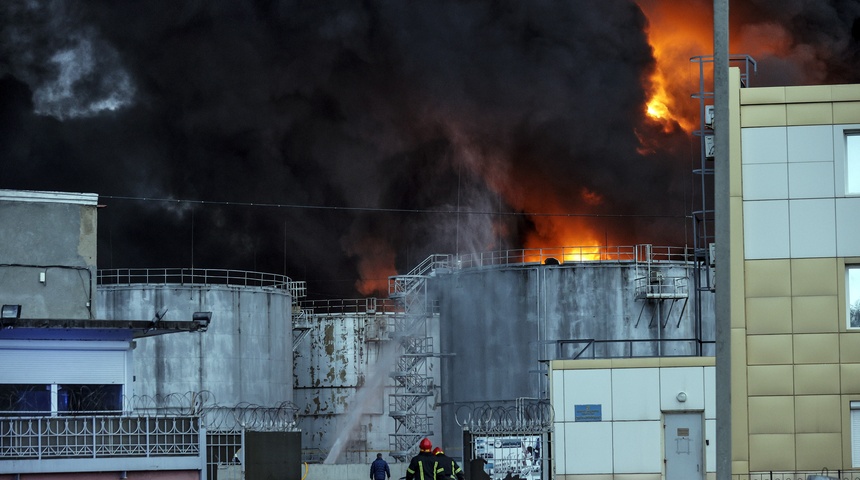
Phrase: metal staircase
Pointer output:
(407, 405)
(300, 316)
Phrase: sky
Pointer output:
(341, 142)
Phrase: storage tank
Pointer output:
(343, 362)
(504, 314)
(245, 356)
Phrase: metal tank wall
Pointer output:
(497, 324)
(342, 368)
(245, 356)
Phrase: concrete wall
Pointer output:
(245, 356)
(633, 395)
(48, 236)
(349, 471)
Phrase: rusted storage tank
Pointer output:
(343, 366)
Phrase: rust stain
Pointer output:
(328, 338)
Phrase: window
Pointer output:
(88, 398)
(855, 434)
(41, 399)
(852, 158)
(852, 287)
(25, 398)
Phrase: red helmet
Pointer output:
(425, 445)
(438, 451)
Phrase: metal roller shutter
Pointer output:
(69, 366)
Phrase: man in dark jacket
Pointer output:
(379, 469)
(450, 469)
(424, 465)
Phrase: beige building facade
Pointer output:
(795, 317)
(795, 239)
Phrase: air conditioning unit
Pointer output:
(709, 115)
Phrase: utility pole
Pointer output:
(722, 233)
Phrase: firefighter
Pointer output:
(450, 469)
(424, 466)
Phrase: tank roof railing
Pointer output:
(198, 276)
(562, 255)
(589, 348)
(357, 305)
(432, 263)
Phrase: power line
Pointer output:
(389, 210)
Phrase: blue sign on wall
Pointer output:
(588, 413)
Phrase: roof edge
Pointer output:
(34, 196)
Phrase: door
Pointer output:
(684, 446)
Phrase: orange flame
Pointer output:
(375, 265)
(563, 232)
(676, 31)
(577, 239)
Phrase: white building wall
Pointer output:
(629, 437)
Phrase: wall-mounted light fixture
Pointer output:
(201, 320)
(10, 311)
(681, 397)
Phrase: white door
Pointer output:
(684, 446)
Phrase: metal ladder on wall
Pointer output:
(300, 316)
(703, 214)
(413, 384)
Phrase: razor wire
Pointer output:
(524, 417)
(282, 417)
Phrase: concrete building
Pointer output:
(651, 418)
(91, 386)
(795, 211)
(66, 373)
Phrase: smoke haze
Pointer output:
(394, 115)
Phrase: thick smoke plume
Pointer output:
(393, 115)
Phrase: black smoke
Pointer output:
(799, 42)
(355, 128)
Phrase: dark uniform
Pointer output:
(424, 465)
(450, 469)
